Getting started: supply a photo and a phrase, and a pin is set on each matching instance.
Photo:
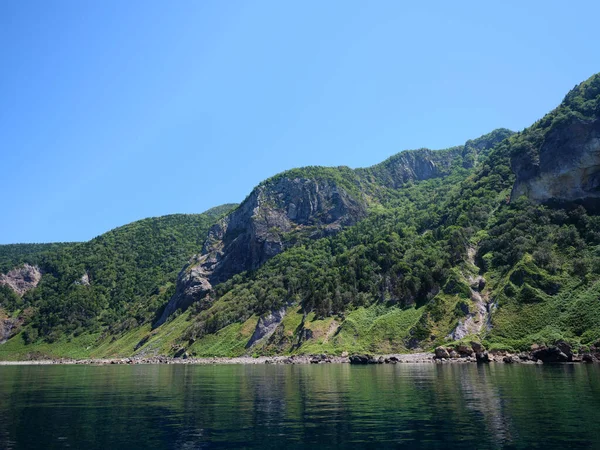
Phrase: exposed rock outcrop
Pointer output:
(257, 231)
(22, 279)
(566, 168)
(413, 165)
(265, 326)
(441, 352)
(479, 314)
(84, 280)
(553, 354)
(319, 202)
(424, 164)
(482, 357)
(9, 326)
(363, 359)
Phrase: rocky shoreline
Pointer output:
(561, 352)
(248, 360)
(458, 353)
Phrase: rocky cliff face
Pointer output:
(413, 165)
(567, 167)
(424, 164)
(8, 327)
(22, 279)
(318, 202)
(257, 230)
(266, 326)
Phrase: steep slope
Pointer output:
(13, 255)
(21, 279)
(423, 164)
(496, 241)
(307, 203)
(560, 161)
(114, 282)
(540, 261)
(404, 277)
(274, 215)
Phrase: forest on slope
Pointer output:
(112, 283)
(497, 240)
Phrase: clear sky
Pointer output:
(112, 111)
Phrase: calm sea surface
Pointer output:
(410, 406)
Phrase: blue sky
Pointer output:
(114, 111)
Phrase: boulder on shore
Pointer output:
(477, 347)
(441, 352)
(587, 358)
(482, 357)
(550, 355)
(464, 350)
(510, 359)
(566, 349)
(362, 359)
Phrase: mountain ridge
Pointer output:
(425, 248)
(322, 200)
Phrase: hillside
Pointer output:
(13, 255)
(112, 283)
(495, 240)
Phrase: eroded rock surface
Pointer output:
(257, 231)
(84, 280)
(8, 327)
(22, 279)
(567, 167)
(480, 312)
(265, 326)
(318, 203)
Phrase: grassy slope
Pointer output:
(376, 329)
(156, 342)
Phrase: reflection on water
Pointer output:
(423, 406)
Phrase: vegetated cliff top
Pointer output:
(582, 102)
(558, 157)
(12, 255)
(405, 166)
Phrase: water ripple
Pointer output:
(411, 406)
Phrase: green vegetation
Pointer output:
(13, 255)
(411, 253)
(342, 175)
(399, 279)
(113, 283)
(401, 255)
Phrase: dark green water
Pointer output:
(412, 406)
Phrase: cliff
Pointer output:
(21, 279)
(557, 160)
(262, 227)
(313, 202)
(567, 167)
